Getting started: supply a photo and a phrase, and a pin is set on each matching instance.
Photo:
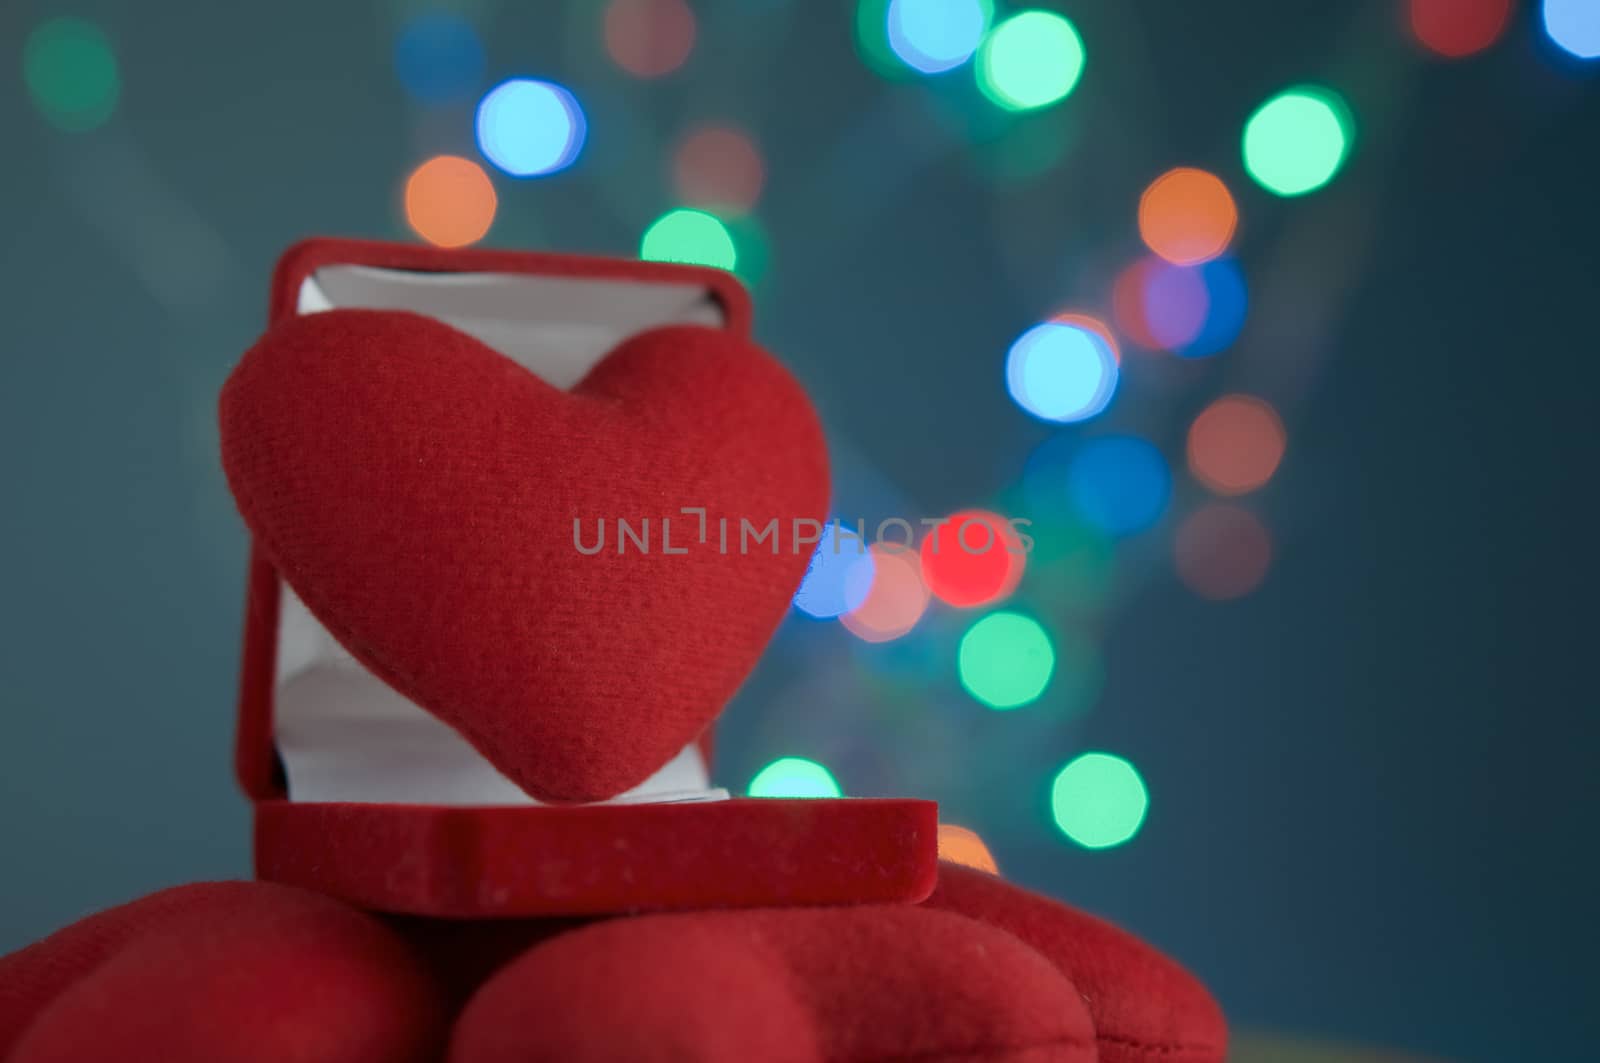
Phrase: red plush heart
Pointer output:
(419, 491)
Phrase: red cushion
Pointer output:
(239, 971)
(1145, 1007)
(235, 971)
(852, 985)
(419, 491)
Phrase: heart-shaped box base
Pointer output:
(602, 859)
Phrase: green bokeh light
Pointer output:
(71, 73)
(1030, 60)
(1099, 801)
(794, 777)
(691, 236)
(1005, 660)
(1298, 140)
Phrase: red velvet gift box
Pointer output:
(403, 470)
(361, 794)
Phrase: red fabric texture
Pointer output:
(439, 547)
(1145, 1007)
(983, 971)
(222, 971)
(875, 983)
(598, 859)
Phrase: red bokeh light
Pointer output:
(649, 38)
(1236, 444)
(1222, 551)
(719, 168)
(972, 558)
(1457, 28)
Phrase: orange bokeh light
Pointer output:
(1236, 444)
(718, 167)
(1094, 325)
(1187, 216)
(1222, 551)
(972, 558)
(896, 600)
(958, 845)
(649, 38)
(450, 201)
(1457, 28)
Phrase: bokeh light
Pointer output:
(1176, 305)
(1235, 444)
(718, 167)
(1297, 140)
(1222, 551)
(932, 36)
(1031, 60)
(649, 38)
(1099, 801)
(690, 236)
(958, 845)
(438, 57)
(896, 600)
(1060, 372)
(1128, 298)
(839, 577)
(972, 558)
(1094, 325)
(1574, 25)
(1457, 28)
(449, 201)
(1227, 302)
(1187, 216)
(1005, 660)
(1119, 484)
(71, 73)
(530, 128)
(793, 777)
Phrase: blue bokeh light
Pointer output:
(933, 36)
(1061, 372)
(1574, 25)
(1226, 303)
(439, 57)
(1119, 484)
(840, 575)
(529, 128)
